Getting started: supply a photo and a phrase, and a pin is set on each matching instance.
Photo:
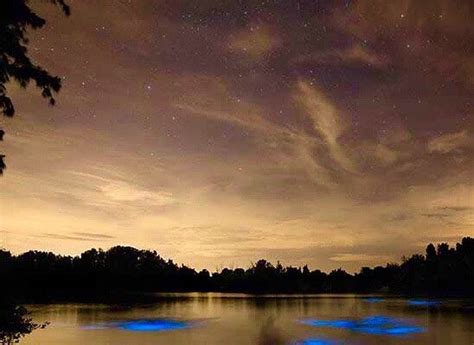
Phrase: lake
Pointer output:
(211, 318)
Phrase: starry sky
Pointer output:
(333, 133)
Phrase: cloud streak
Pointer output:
(450, 142)
(326, 122)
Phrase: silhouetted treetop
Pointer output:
(16, 19)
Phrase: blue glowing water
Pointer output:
(148, 325)
(154, 325)
(317, 341)
(376, 325)
(423, 303)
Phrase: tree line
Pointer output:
(442, 270)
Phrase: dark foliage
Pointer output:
(443, 271)
(16, 19)
(15, 323)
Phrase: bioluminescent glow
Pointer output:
(374, 299)
(154, 325)
(147, 325)
(423, 303)
(377, 325)
(317, 341)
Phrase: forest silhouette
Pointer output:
(43, 275)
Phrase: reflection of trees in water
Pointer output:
(270, 335)
(15, 323)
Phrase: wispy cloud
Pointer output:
(120, 192)
(436, 215)
(457, 208)
(326, 122)
(291, 144)
(93, 235)
(359, 257)
(255, 41)
(353, 55)
(85, 238)
(450, 142)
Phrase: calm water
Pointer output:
(238, 319)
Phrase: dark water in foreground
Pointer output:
(238, 319)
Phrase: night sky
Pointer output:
(333, 133)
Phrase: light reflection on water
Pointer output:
(269, 320)
(377, 325)
(148, 325)
(318, 341)
(423, 303)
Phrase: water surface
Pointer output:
(229, 319)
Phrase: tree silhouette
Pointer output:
(16, 19)
(15, 323)
(98, 274)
